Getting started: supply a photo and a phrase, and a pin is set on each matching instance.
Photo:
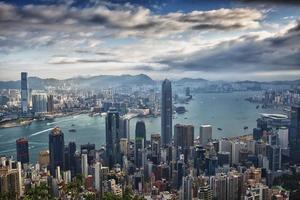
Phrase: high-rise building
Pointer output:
(84, 165)
(39, 103)
(9, 182)
(205, 193)
(166, 113)
(186, 190)
(155, 148)
(184, 135)
(205, 134)
(22, 150)
(44, 158)
(50, 103)
(24, 93)
(274, 157)
(294, 135)
(112, 138)
(125, 128)
(56, 149)
(140, 143)
(140, 131)
(71, 159)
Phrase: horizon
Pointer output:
(220, 40)
(154, 79)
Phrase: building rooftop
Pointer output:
(274, 116)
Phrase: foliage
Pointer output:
(39, 192)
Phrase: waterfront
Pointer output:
(228, 111)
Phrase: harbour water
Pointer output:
(228, 111)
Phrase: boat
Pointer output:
(180, 109)
(245, 127)
(257, 107)
(73, 125)
(72, 130)
(220, 129)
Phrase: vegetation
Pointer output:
(290, 183)
(39, 192)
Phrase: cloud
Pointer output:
(126, 19)
(249, 53)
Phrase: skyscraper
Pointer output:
(294, 135)
(24, 93)
(112, 138)
(56, 149)
(140, 142)
(155, 148)
(205, 134)
(50, 103)
(22, 150)
(166, 113)
(184, 135)
(186, 191)
(39, 103)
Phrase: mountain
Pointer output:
(82, 82)
(190, 80)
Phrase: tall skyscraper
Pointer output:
(184, 135)
(140, 143)
(22, 150)
(24, 93)
(186, 191)
(205, 134)
(50, 103)
(166, 113)
(56, 149)
(39, 103)
(155, 148)
(294, 135)
(124, 128)
(112, 138)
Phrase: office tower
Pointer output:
(9, 181)
(125, 128)
(274, 157)
(180, 172)
(236, 147)
(223, 158)
(112, 138)
(219, 186)
(89, 149)
(24, 93)
(71, 158)
(56, 149)
(257, 133)
(166, 113)
(84, 165)
(205, 193)
(199, 159)
(66, 157)
(124, 146)
(294, 135)
(39, 103)
(211, 160)
(155, 148)
(283, 137)
(205, 134)
(140, 131)
(50, 103)
(186, 191)
(22, 150)
(184, 135)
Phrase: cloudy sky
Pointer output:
(228, 40)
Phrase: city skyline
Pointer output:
(220, 40)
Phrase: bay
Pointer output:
(228, 111)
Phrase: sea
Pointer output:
(227, 111)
